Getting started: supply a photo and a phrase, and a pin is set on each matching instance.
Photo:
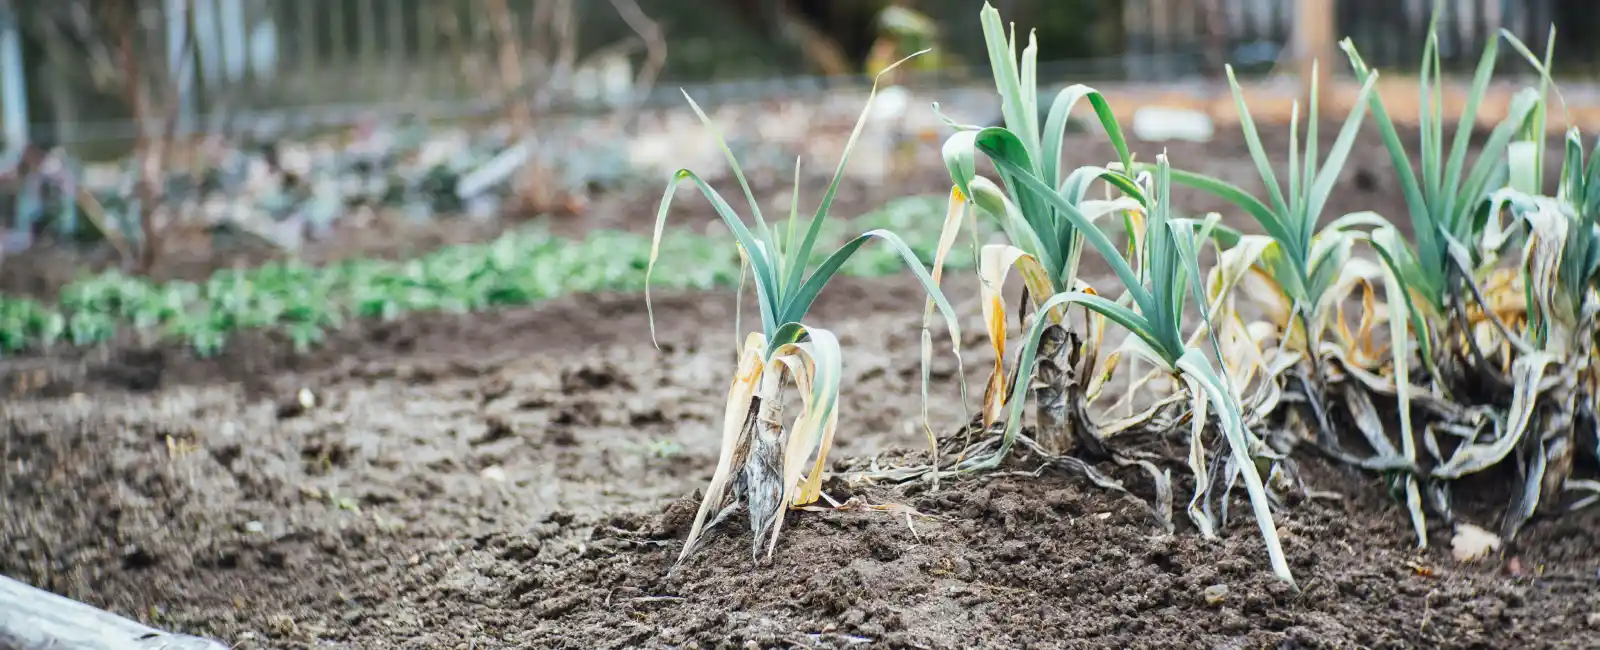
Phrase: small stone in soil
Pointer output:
(1215, 594)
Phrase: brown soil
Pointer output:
(523, 479)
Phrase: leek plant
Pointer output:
(1300, 278)
(1048, 241)
(1436, 297)
(1549, 300)
(1554, 383)
(762, 466)
(1297, 275)
(1048, 220)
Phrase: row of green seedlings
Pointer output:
(303, 302)
(1481, 338)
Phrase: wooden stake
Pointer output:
(1314, 27)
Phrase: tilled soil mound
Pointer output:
(524, 480)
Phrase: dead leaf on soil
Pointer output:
(179, 447)
(856, 503)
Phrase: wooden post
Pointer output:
(1314, 29)
(35, 619)
(13, 86)
(185, 78)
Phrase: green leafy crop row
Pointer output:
(304, 302)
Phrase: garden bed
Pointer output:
(517, 478)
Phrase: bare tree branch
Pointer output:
(511, 75)
(565, 24)
(152, 154)
(655, 45)
(450, 28)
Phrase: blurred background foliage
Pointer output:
(285, 54)
(259, 59)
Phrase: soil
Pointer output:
(524, 478)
